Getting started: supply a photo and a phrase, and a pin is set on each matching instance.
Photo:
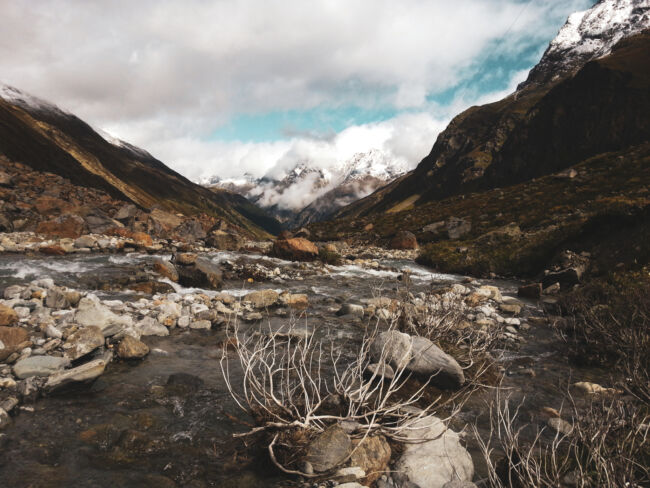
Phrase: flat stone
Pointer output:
(39, 366)
(83, 341)
(81, 374)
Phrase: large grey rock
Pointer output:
(150, 326)
(392, 347)
(91, 312)
(437, 461)
(262, 298)
(81, 374)
(39, 366)
(329, 449)
(83, 341)
(432, 362)
(202, 274)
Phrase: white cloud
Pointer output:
(165, 74)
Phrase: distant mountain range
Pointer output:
(307, 193)
(48, 139)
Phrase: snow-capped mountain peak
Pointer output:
(589, 35)
(27, 101)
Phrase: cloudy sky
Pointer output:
(226, 87)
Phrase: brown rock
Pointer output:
(165, 220)
(329, 449)
(404, 240)
(83, 341)
(67, 225)
(12, 338)
(53, 250)
(132, 348)
(372, 455)
(7, 315)
(295, 249)
(166, 269)
(51, 206)
(142, 239)
(186, 258)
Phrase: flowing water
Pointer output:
(141, 424)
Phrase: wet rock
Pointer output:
(52, 250)
(81, 374)
(11, 339)
(202, 274)
(262, 298)
(350, 309)
(7, 316)
(39, 366)
(295, 249)
(435, 462)
(83, 341)
(432, 362)
(392, 347)
(131, 348)
(56, 298)
(329, 449)
(186, 381)
(166, 269)
(532, 291)
(404, 240)
(372, 455)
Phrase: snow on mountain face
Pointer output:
(26, 101)
(590, 35)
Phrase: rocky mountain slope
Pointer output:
(307, 193)
(538, 130)
(48, 139)
(557, 165)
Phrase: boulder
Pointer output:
(142, 239)
(430, 361)
(434, 462)
(262, 298)
(85, 241)
(404, 240)
(392, 347)
(12, 339)
(7, 316)
(127, 212)
(225, 241)
(190, 230)
(57, 298)
(566, 277)
(457, 228)
(294, 300)
(202, 274)
(132, 348)
(100, 224)
(532, 291)
(295, 249)
(150, 326)
(83, 341)
(166, 269)
(185, 258)
(328, 449)
(81, 374)
(39, 366)
(165, 221)
(91, 312)
(371, 454)
(67, 225)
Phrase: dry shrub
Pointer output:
(608, 323)
(607, 445)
